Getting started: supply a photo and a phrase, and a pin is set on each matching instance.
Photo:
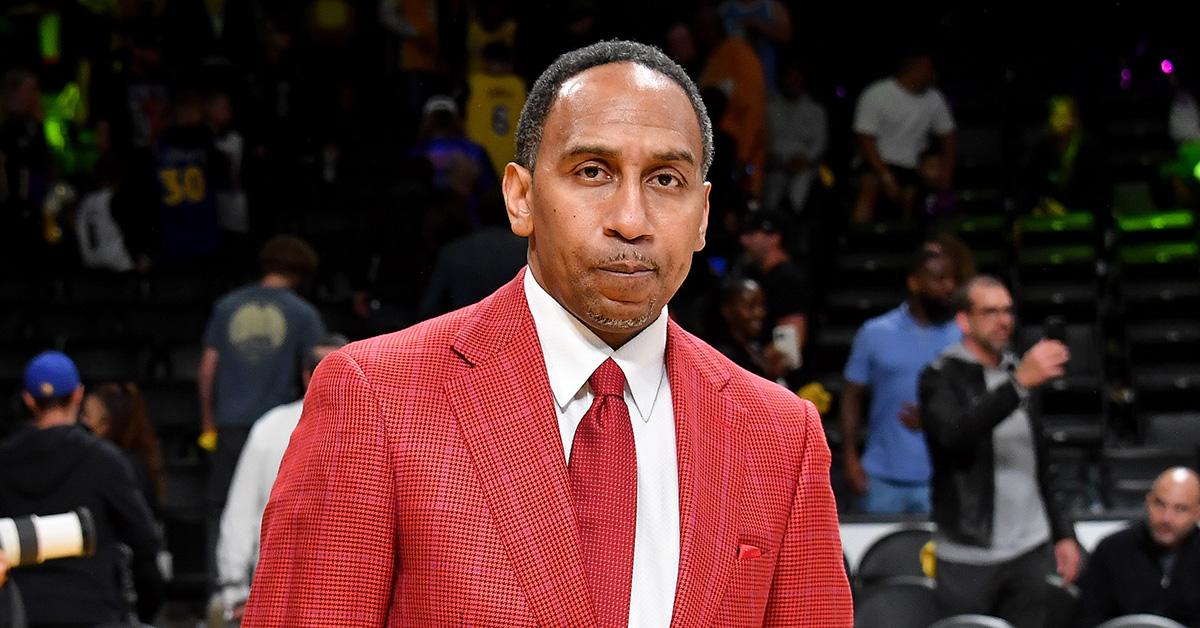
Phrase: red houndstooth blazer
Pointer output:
(426, 486)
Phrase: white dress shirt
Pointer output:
(237, 547)
(572, 353)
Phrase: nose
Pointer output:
(628, 218)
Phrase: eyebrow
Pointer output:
(607, 152)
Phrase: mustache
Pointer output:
(630, 255)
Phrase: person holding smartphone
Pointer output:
(784, 285)
(999, 532)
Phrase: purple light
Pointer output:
(1126, 75)
(840, 91)
(1167, 67)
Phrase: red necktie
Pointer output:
(603, 471)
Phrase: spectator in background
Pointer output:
(117, 413)
(797, 134)
(489, 25)
(190, 169)
(1152, 566)
(743, 311)
(764, 24)
(1183, 121)
(496, 96)
(734, 68)
(893, 121)
(25, 164)
(52, 465)
(473, 266)
(237, 549)
(934, 201)
(885, 361)
(999, 531)
(783, 282)
(233, 215)
(414, 26)
(253, 343)
(99, 236)
(952, 246)
(460, 165)
(1066, 169)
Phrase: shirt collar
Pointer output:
(1008, 360)
(572, 352)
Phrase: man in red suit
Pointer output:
(561, 453)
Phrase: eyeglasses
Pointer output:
(993, 312)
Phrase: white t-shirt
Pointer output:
(901, 121)
(101, 244)
(1183, 124)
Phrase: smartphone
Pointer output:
(1055, 328)
(785, 341)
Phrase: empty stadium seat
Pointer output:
(897, 553)
(901, 602)
(972, 621)
(1130, 471)
(1141, 621)
(1176, 429)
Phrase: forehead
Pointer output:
(621, 101)
(1182, 489)
(937, 266)
(989, 294)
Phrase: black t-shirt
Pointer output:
(786, 290)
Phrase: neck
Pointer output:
(772, 259)
(54, 418)
(275, 280)
(917, 311)
(986, 356)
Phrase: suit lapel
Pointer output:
(710, 477)
(506, 413)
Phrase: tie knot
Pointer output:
(608, 380)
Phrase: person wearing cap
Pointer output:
(253, 345)
(237, 547)
(459, 164)
(783, 282)
(53, 464)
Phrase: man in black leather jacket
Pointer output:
(999, 532)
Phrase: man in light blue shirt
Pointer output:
(885, 361)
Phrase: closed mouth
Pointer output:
(627, 268)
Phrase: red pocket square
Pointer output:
(747, 552)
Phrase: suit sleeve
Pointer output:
(327, 554)
(810, 586)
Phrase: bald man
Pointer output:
(1152, 567)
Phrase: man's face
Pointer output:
(746, 311)
(616, 203)
(1173, 508)
(989, 322)
(922, 72)
(934, 286)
